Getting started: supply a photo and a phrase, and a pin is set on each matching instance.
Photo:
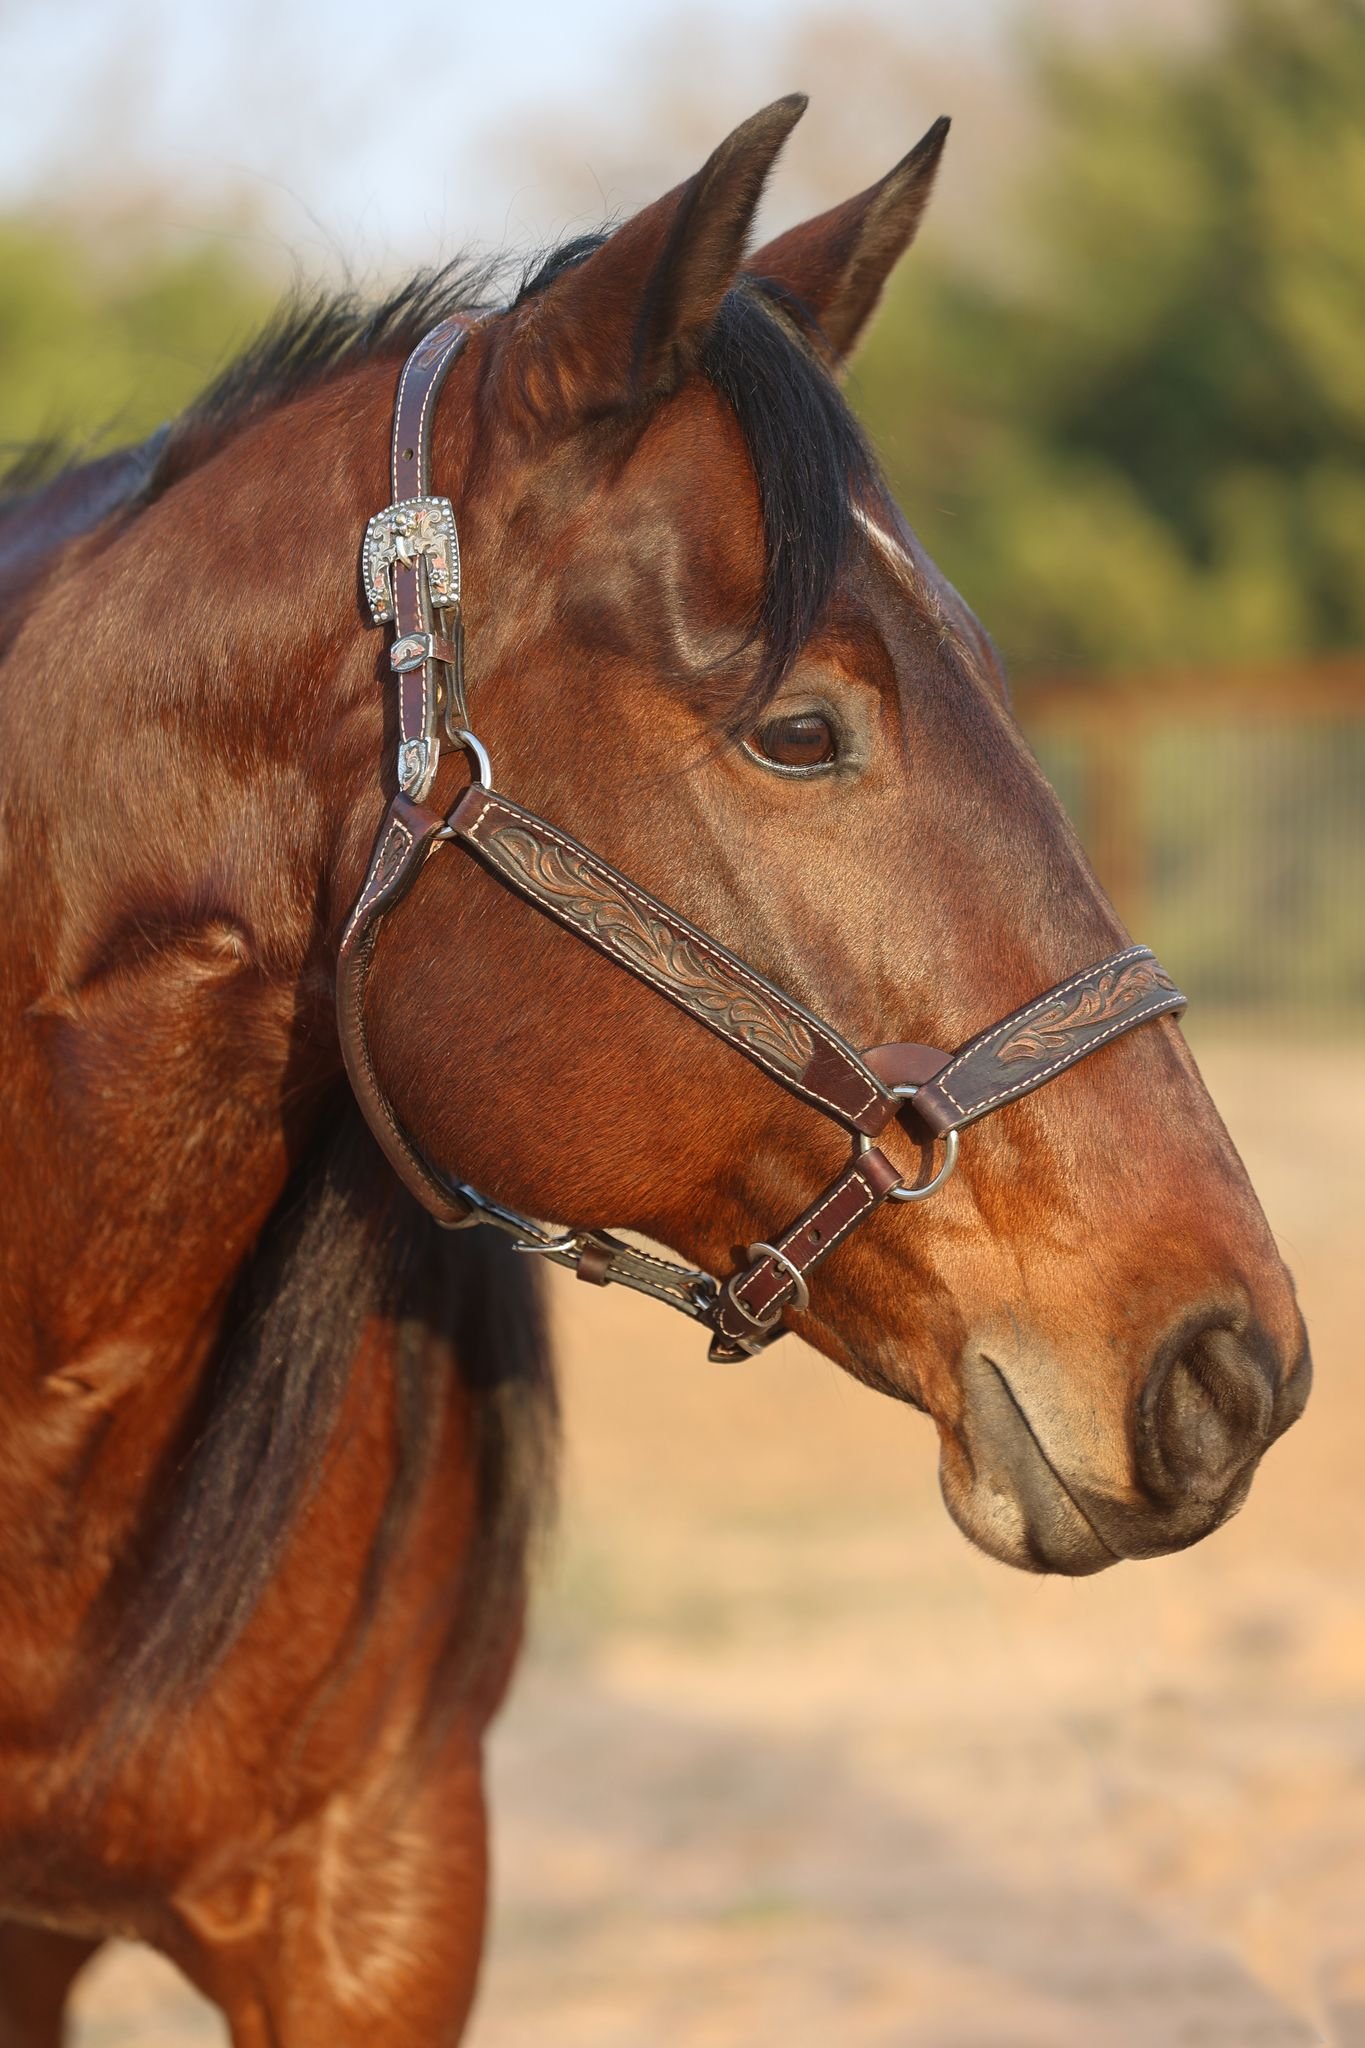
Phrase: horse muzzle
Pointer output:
(1019, 1472)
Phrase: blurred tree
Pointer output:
(1149, 441)
(1133, 431)
(92, 351)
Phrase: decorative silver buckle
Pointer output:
(413, 528)
(417, 766)
(413, 652)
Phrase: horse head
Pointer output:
(700, 637)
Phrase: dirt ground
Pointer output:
(788, 1762)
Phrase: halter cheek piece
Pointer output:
(411, 571)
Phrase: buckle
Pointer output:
(415, 529)
(415, 650)
(416, 767)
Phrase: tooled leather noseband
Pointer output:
(411, 570)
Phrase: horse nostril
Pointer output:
(1206, 1410)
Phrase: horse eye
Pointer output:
(804, 741)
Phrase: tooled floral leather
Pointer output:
(1053, 1028)
(861, 1090)
(1034, 1044)
(588, 896)
(641, 937)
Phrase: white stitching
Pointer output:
(460, 332)
(979, 1044)
(1175, 1001)
(404, 735)
(397, 424)
(482, 815)
(434, 374)
(724, 960)
(850, 1178)
(437, 368)
(374, 886)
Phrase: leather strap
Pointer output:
(411, 568)
(751, 1303)
(412, 562)
(405, 839)
(1036, 1043)
(662, 948)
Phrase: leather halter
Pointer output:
(411, 571)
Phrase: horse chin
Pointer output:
(1007, 1494)
(1023, 1516)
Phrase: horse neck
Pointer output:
(183, 713)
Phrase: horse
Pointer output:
(276, 1441)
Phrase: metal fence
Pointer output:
(1225, 814)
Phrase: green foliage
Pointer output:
(1146, 444)
(93, 352)
(1153, 446)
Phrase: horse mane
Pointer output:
(346, 1247)
(346, 1244)
(763, 354)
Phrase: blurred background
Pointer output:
(788, 1762)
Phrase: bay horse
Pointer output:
(273, 1441)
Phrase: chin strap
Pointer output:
(411, 571)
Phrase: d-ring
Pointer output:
(801, 1298)
(950, 1152)
(931, 1187)
(477, 752)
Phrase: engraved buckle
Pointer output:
(413, 529)
(414, 651)
(417, 767)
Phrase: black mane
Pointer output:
(346, 1249)
(346, 1244)
(810, 460)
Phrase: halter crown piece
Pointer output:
(411, 571)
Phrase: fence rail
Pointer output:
(1224, 812)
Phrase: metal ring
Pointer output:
(800, 1300)
(906, 1091)
(862, 1143)
(931, 1187)
(477, 752)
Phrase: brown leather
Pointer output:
(751, 1302)
(414, 411)
(835, 1075)
(405, 839)
(1036, 1043)
(663, 949)
(422, 690)
(594, 1265)
(408, 832)
(905, 1064)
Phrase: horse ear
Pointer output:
(837, 264)
(623, 323)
